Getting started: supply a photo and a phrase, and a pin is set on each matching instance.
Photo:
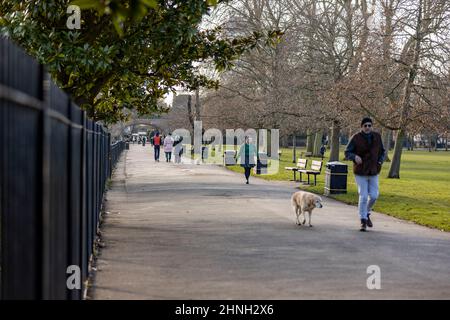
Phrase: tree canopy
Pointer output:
(127, 54)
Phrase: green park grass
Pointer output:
(421, 195)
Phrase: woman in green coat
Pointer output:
(246, 157)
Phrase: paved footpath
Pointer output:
(198, 232)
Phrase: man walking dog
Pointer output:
(367, 152)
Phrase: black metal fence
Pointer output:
(54, 164)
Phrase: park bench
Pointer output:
(316, 168)
(229, 157)
(301, 164)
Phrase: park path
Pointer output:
(198, 232)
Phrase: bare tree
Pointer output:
(338, 60)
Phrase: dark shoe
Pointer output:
(246, 182)
(363, 225)
(369, 222)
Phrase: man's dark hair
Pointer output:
(366, 120)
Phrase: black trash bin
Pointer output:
(261, 163)
(336, 178)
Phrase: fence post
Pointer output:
(94, 185)
(46, 290)
(83, 191)
(21, 236)
(70, 213)
(75, 196)
(109, 156)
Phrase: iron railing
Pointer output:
(54, 164)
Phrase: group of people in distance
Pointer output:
(169, 144)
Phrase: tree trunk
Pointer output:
(334, 143)
(446, 141)
(394, 170)
(317, 143)
(386, 135)
(198, 112)
(294, 147)
(309, 141)
(190, 114)
(408, 138)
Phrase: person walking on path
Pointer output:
(247, 157)
(168, 147)
(157, 145)
(322, 151)
(367, 152)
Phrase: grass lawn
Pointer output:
(421, 195)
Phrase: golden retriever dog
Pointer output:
(303, 202)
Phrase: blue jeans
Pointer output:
(157, 152)
(368, 194)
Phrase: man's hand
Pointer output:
(358, 159)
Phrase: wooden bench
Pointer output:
(229, 157)
(316, 168)
(301, 164)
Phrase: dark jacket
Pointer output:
(177, 141)
(247, 155)
(371, 150)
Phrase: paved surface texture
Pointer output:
(198, 232)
